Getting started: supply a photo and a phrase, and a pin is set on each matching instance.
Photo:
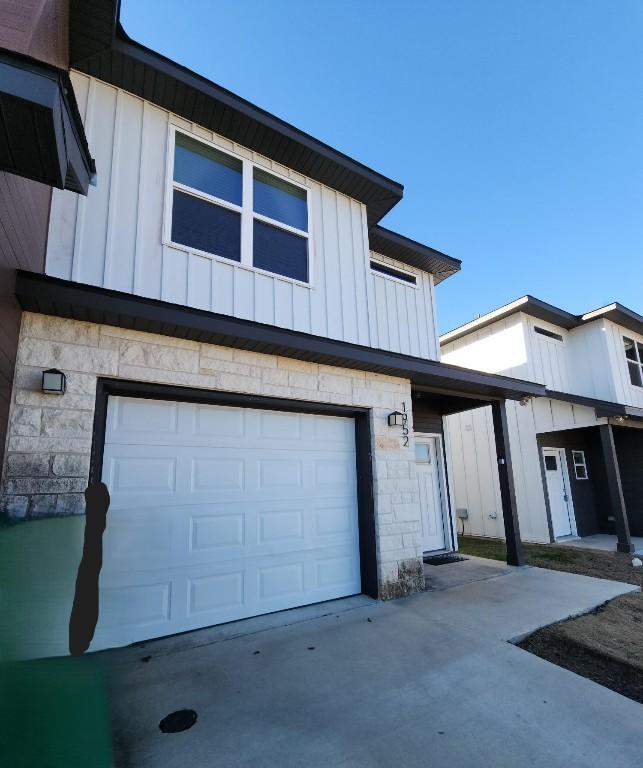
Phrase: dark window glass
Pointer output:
(280, 200)
(205, 226)
(376, 266)
(206, 169)
(630, 351)
(551, 463)
(635, 374)
(280, 252)
(549, 334)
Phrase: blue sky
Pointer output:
(516, 126)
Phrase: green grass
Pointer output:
(587, 562)
(495, 549)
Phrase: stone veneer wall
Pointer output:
(49, 439)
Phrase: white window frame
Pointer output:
(378, 260)
(628, 360)
(582, 463)
(248, 215)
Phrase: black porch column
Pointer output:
(617, 502)
(507, 490)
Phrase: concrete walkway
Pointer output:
(426, 681)
(602, 541)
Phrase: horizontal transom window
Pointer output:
(549, 334)
(398, 274)
(225, 206)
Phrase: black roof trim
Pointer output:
(52, 296)
(618, 314)
(541, 310)
(41, 131)
(412, 253)
(615, 312)
(105, 51)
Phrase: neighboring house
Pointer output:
(580, 449)
(42, 145)
(251, 360)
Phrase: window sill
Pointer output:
(237, 264)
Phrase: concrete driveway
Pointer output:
(426, 681)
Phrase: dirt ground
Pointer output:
(605, 645)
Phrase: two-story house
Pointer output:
(581, 447)
(226, 336)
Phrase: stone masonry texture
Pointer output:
(49, 439)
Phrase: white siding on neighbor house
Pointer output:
(589, 362)
(548, 357)
(114, 238)
(475, 471)
(499, 348)
(624, 391)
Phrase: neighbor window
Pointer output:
(550, 463)
(634, 355)
(580, 465)
(225, 206)
(549, 334)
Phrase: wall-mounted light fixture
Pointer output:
(396, 419)
(54, 382)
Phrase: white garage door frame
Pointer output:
(107, 388)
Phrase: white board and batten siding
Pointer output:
(114, 238)
(475, 471)
(498, 348)
(624, 391)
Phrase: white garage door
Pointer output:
(220, 513)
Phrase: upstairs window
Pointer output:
(634, 356)
(224, 206)
(280, 226)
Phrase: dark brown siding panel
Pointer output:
(37, 28)
(629, 449)
(24, 216)
(426, 417)
(589, 496)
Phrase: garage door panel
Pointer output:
(160, 418)
(219, 513)
(142, 475)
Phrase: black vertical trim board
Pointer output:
(449, 512)
(507, 489)
(366, 505)
(363, 443)
(617, 502)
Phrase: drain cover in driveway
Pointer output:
(178, 721)
(449, 557)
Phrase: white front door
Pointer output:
(431, 497)
(220, 513)
(558, 491)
